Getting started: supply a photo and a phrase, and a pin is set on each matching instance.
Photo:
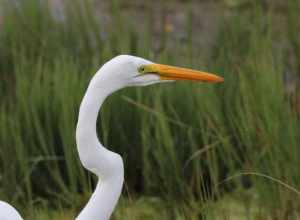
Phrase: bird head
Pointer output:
(126, 70)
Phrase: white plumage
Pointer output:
(7, 212)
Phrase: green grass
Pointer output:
(179, 141)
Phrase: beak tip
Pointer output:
(220, 79)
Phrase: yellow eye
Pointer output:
(142, 69)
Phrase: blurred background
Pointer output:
(191, 151)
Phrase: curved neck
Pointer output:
(107, 165)
(89, 109)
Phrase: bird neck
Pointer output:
(107, 165)
(88, 113)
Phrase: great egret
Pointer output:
(121, 71)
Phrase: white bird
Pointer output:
(7, 212)
(120, 72)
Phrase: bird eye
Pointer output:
(141, 69)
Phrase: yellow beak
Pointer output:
(178, 73)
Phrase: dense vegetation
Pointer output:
(190, 150)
